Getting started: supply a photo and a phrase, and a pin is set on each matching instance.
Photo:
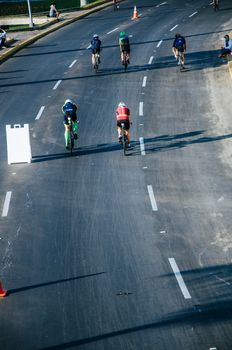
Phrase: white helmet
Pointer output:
(121, 104)
(68, 101)
(95, 36)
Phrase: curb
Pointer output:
(64, 23)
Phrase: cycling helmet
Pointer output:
(68, 101)
(177, 35)
(121, 104)
(122, 34)
(95, 36)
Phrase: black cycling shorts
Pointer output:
(180, 48)
(126, 122)
(96, 51)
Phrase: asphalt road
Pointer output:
(101, 251)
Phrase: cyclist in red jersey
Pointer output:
(123, 116)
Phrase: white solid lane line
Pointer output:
(152, 198)
(159, 43)
(179, 278)
(150, 60)
(6, 204)
(144, 81)
(163, 3)
(113, 30)
(40, 113)
(142, 146)
(193, 14)
(72, 64)
(174, 27)
(140, 109)
(57, 84)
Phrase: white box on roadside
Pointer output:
(18, 144)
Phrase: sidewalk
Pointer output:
(20, 39)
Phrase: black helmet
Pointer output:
(177, 35)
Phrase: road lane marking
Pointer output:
(6, 203)
(72, 64)
(179, 278)
(174, 27)
(57, 84)
(163, 3)
(193, 14)
(159, 43)
(150, 60)
(140, 109)
(152, 198)
(144, 81)
(40, 113)
(113, 30)
(142, 146)
(88, 47)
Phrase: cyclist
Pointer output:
(227, 49)
(2, 38)
(95, 47)
(115, 3)
(124, 45)
(179, 45)
(69, 109)
(123, 116)
(216, 4)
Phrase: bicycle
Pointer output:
(124, 139)
(96, 61)
(115, 4)
(179, 59)
(216, 5)
(125, 60)
(71, 136)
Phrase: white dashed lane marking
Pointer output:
(57, 84)
(6, 203)
(113, 30)
(159, 43)
(142, 146)
(144, 81)
(179, 278)
(152, 198)
(72, 64)
(140, 109)
(150, 60)
(193, 14)
(173, 27)
(40, 113)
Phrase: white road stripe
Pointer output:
(150, 60)
(113, 30)
(179, 278)
(57, 84)
(40, 113)
(163, 3)
(72, 64)
(193, 14)
(174, 27)
(152, 198)
(144, 81)
(6, 204)
(142, 146)
(88, 47)
(140, 109)
(159, 43)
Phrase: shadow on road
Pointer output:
(22, 289)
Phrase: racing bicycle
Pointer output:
(71, 135)
(125, 60)
(96, 61)
(124, 139)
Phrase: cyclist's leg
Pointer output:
(75, 129)
(122, 55)
(182, 58)
(119, 128)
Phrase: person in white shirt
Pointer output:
(53, 11)
(2, 37)
(226, 50)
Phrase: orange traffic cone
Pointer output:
(3, 292)
(135, 14)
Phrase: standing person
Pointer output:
(69, 109)
(53, 11)
(227, 48)
(179, 45)
(124, 44)
(2, 37)
(95, 47)
(123, 116)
